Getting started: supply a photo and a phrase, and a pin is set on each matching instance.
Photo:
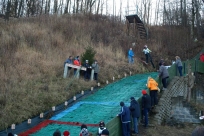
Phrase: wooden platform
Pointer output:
(131, 18)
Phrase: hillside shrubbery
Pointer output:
(33, 51)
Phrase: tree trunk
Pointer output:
(16, 8)
(41, 9)
(81, 9)
(184, 13)
(55, 6)
(8, 10)
(74, 9)
(19, 8)
(192, 20)
(198, 17)
(77, 6)
(97, 10)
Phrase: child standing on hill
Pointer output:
(130, 56)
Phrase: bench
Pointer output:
(66, 70)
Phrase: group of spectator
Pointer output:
(146, 52)
(87, 73)
(163, 72)
(134, 111)
(102, 131)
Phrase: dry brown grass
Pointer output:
(33, 50)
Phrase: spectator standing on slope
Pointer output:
(125, 119)
(96, 69)
(179, 65)
(135, 112)
(87, 72)
(130, 56)
(146, 105)
(77, 63)
(153, 87)
(69, 60)
(163, 74)
(148, 56)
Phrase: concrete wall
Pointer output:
(179, 87)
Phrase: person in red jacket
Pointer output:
(202, 57)
(76, 62)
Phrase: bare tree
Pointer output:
(20, 7)
(97, 10)
(55, 6)
(192, 19)
(66, 7)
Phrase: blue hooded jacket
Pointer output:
(130, 53)
(124, 114)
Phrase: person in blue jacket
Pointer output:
(130, 56)
(135, 112)
(69, 60)
(125, 119)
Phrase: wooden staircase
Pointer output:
(142, 31)
(139, 27)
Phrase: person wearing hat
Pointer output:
(105, 132)
(87, 72)
(84, 130)
(130, 56)
(147, 55)
(163, 74)
(57, 133)
(125, 119)
(179, 64)
(66, 133)
(101, 127)
(146, 105)
(135, 112)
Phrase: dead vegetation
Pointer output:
(33, 51)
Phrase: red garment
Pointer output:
(76, 62)
(202, 57)
(66, 133)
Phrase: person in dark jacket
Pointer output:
(96, 69)
(69, 61)
(163, 74)
(179, 65)
(135, 112)
(87, 72)
(125, 119)
(146, 105)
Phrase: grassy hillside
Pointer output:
(33, 51)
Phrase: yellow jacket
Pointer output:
(152, 84)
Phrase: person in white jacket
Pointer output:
(147, 55)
